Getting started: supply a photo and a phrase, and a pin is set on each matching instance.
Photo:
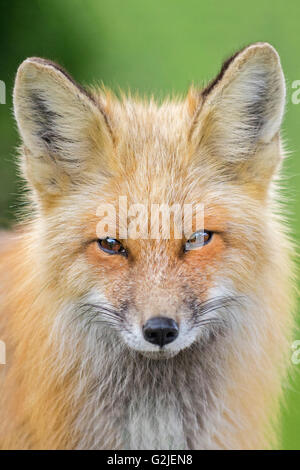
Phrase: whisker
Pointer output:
(99, 314)
(107, 323)
(210, 323)
(203, 309)
(81, 314)
(105, 310)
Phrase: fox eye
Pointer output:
(112, 246)
(198, 239)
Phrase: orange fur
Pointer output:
(72, 383)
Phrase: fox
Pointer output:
(126, 342)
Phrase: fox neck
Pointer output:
(128, 401)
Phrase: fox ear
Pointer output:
(63, 129)
(242, 109)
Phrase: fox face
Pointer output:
(218, 149)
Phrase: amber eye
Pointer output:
(112, 246)
(198, 239)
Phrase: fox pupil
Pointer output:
(111, 246)
(198, 239)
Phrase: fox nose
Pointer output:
(160, 330)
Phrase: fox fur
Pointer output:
(78, 373)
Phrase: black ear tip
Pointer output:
(220, 75)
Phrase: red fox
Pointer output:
(118, 342)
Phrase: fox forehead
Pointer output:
(153, 156)
(151, 139)
(142, 121)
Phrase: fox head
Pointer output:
(219, 149)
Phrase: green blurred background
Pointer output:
(150, 46)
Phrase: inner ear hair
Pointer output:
(64, 129)
(243, 105)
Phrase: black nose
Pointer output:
(160, 330)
